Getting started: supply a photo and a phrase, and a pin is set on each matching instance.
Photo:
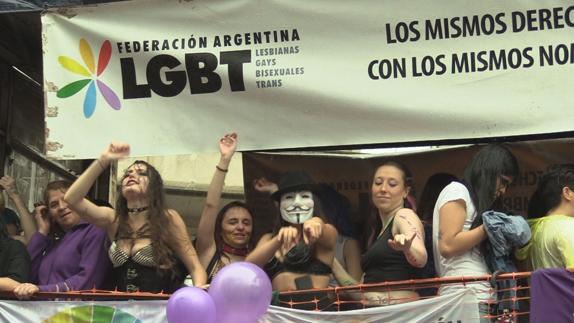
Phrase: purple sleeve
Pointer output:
(93, 268)
(36, 247)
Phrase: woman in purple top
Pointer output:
(66, 252)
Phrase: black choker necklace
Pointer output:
(242, 252)
(137, 209)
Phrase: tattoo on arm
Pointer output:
(412, 227)
(439, 234)
(411, 259)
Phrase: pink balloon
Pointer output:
(190, 305)
(241, 292)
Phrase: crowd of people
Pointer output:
(143, 245)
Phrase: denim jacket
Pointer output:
(505, 233)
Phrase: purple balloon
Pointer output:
(190, 305)
(241, 292)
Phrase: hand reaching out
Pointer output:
(115, 151)
(228, 145)
(312, 230)
(263, 185)
(402, 242)
(288, 236)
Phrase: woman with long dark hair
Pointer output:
(551, 219)
(433, 186)
(223, 237)
(457, 221)
(425, 208)
(149, 241)
(337, 210)
(397, 250)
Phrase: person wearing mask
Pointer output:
(299, 252)
(336, 208)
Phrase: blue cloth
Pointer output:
(505, 233)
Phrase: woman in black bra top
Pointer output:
(302, 246)
(398, 248)
(150, 247)
(224, 237)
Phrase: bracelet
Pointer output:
(101, 165)
(221, 169)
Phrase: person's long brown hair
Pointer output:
(158, 219)
(62, 186)
(373, 225)
(219, 222)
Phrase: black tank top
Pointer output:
(139, 272)
(299, 259)
(382, 263)
(214, 266)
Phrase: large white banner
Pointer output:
(459, 307)
(171, 76)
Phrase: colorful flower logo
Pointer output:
(89, 70)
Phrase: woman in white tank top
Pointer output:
(457, 223)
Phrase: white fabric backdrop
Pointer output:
(343, 73)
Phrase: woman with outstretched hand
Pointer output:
(398, 250)
(299, 252)
(149, 242)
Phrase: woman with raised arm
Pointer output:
(398, 251)
(299, 252)
(457, 218)
(149, 241)
(223, 237)
(26, 220)
(66, 252)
